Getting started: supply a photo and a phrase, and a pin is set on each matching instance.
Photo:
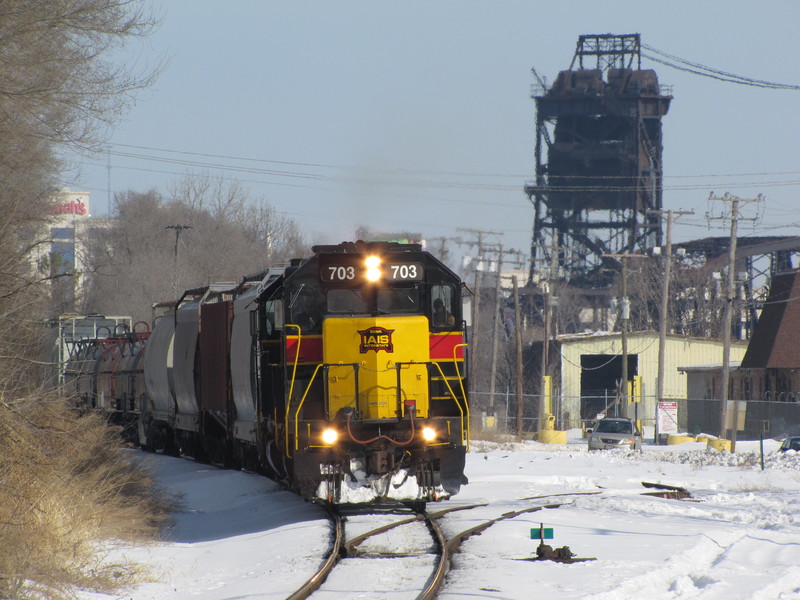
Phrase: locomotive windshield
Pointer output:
(346, 301)
(353, 301)
(399, 300)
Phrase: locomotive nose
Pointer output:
(377, 365)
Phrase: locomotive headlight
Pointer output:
(373, 264)
(329, 436)
(428, 434)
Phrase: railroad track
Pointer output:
(337, 534)
(415, 539)
(422, 547)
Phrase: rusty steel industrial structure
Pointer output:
(598, 188)
(598, 158)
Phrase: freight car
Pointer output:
(341, 375)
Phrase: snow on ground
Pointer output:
(239, 536)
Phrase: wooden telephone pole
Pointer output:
(624, 314)
(730, 295)
(662, 318)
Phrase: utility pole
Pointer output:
(178, 230)
(518, 344)
(496, 330)
(497, 319)
(443, 254)
(473, 342)
(548, 323)
(730, 294)
(108, 191)
(624, 315)
(662, 318)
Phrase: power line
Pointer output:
(318, 165)
(318, 178)
(705, 71)
(377, 176)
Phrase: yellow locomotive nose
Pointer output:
(377, 365)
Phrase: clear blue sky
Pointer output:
(417, 115)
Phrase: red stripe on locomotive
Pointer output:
(443, 344)
(310, 349)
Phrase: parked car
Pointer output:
(614, 432)
(791, 443)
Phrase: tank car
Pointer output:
(104, 373)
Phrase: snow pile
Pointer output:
(363, 488)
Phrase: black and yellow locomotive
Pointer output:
(373, 351)
(342, 375)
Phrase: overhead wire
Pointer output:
(377, 177)
(318, 165)
(706, 71)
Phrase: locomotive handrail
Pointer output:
(464, 430)
(464, 421)
(464, 411)
(463, 391)
(299, 406)
(291, 383)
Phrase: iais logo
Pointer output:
(376, 338)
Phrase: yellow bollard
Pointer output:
(720, 445)
(552, 436)
(548, 433)
(674, 440)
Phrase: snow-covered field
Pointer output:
(241, 537)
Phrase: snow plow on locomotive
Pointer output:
(342, 375)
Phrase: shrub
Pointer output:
(67, 485)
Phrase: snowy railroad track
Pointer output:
(405, 541)
(239, 535)
(414, 547)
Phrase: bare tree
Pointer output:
(208, 231)
(59, 89)
(59, 83)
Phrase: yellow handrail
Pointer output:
(465, 422)
(300, 405)
(452, 393)
(463, 391)
(291, 384)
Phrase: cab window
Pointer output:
(442, 308)
(305, 308)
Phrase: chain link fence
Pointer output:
(756, 418)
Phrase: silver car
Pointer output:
(615, 432)
(791, 443)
